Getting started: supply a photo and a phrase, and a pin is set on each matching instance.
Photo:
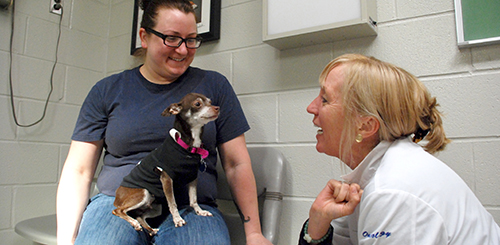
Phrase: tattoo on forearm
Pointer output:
(242, 216)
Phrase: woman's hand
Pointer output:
(336, 200)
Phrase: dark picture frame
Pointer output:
(208, 21)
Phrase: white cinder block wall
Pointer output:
(274, 87)
(32, 157)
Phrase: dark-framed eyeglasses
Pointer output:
(176, 41)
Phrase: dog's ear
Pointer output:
(173, 109)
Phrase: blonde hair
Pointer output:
(397, 99)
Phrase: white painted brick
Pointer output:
(33, 8)
(495, 212)
(19, 32)
(7, 126)
(243, 1)
(121, 23)
(57, 126)
(423, 46)
(220, 62)
(295, 122)
(308, 171)
(91, 17)
(459, 157)
(241, 27)
(470, 104)
(79, 83)
(412, 8)
(34, 201)
(300, 67)
(41, 38)
(40, 9)
(119, 57)
(256, 70)
(295, 212)
(261, 113)
(9, 237)
(31, 78)
(4, 72)
(5, 207)
(487, 172)
(386, 10)
(225, 3)
(83, 50)
(27, 163)
(486, 57)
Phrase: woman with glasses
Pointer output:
(122, 116)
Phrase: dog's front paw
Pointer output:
(154, 231)
(202, 212)
(178, 221)
(136, 225)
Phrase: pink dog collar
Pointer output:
(204, 153)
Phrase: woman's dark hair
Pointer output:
(151, 7)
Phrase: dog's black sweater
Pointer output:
(181, 165)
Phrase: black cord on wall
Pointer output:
(51, 75)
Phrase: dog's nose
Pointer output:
(216, 108)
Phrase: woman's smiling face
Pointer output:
(328, 113)
(167, 63)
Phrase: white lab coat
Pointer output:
(411, 197)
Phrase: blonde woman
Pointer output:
(371, 115)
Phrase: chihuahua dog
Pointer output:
(177, 159)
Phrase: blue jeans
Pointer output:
(100, 226)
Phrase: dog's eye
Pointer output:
(197, 104)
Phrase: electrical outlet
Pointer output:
(56, 6)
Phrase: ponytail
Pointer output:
(430, 127)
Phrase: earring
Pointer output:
(359, 138)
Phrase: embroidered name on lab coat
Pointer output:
(382, 234)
